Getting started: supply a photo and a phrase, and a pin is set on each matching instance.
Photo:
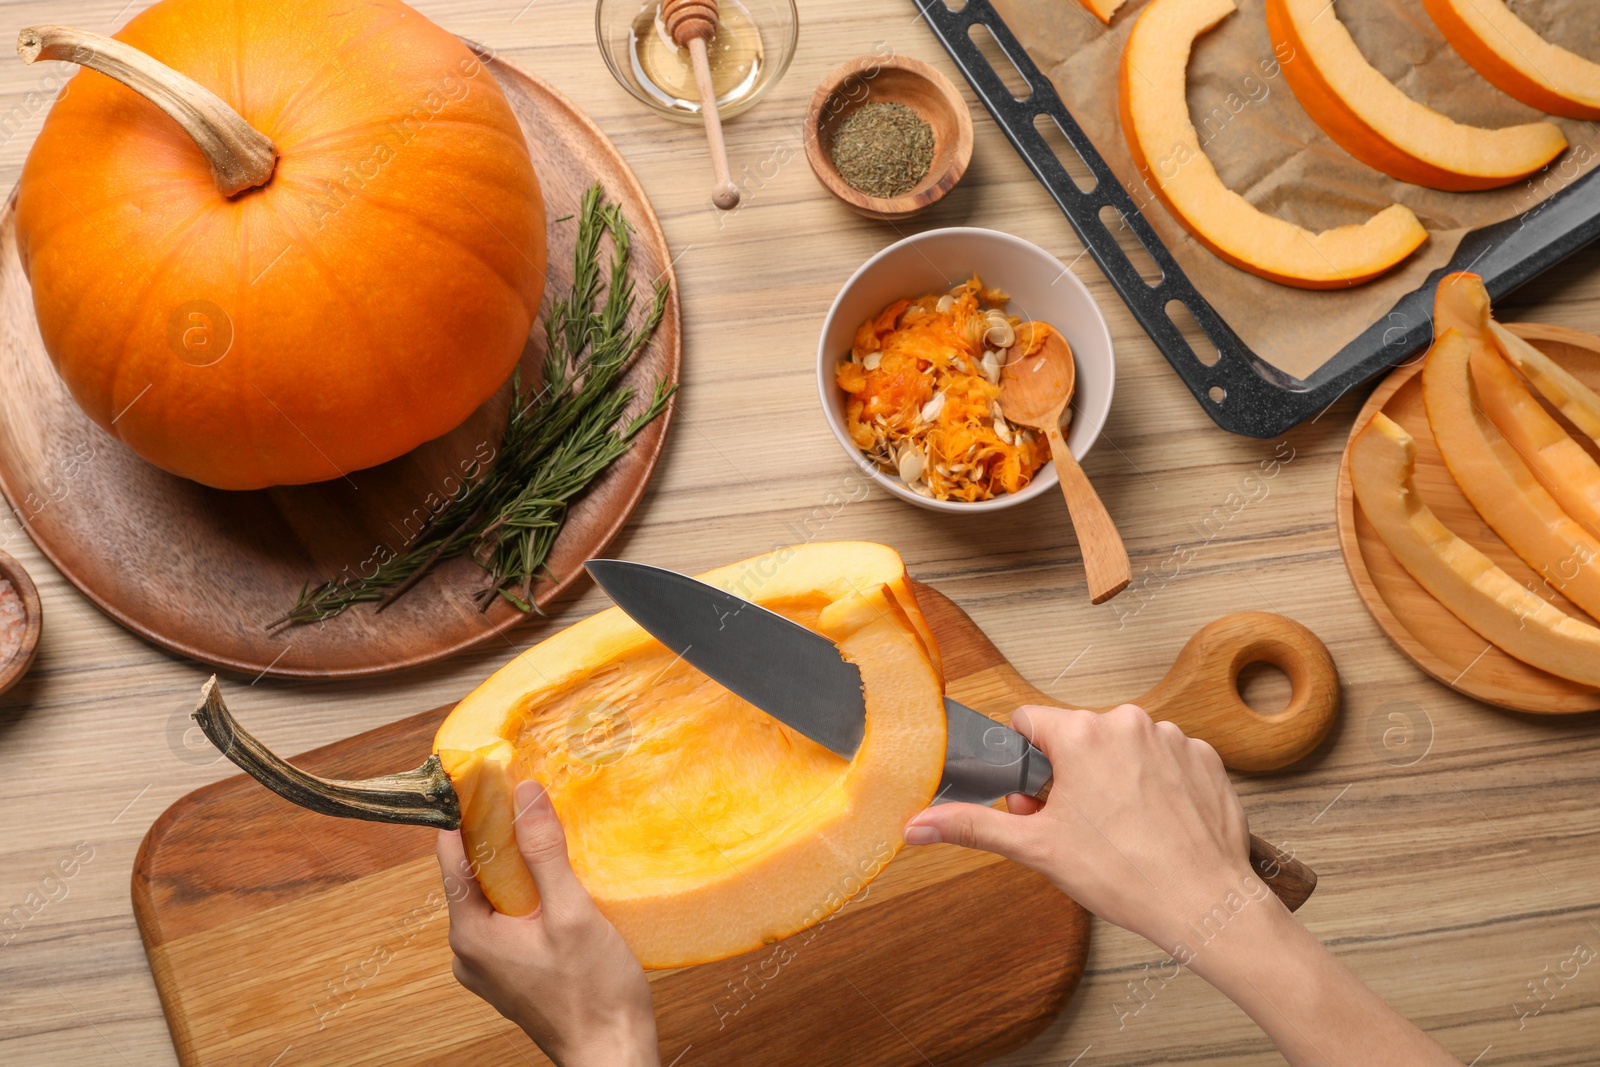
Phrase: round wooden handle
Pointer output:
(1201, 691)
(688, 20)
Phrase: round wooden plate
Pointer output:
(1439, 643)
(202, 571)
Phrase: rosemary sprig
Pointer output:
(557, 440)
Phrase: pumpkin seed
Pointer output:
(991, 367)
(1000, 335)
(946, 302)
(911, 465)
(931, 409)
(872, 360)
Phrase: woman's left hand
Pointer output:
(563, 974)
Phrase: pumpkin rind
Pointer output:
(1463, 579)
(1499, 484)
(1368, 116)
(369, 298)
(1561, 464)
(713, 828)
(1166, 151)
(1516, 60)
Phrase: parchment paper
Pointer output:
(1269, 150)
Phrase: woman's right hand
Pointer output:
(1142, 826)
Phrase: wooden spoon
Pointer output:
(1035, 391)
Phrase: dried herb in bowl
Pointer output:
(883, 149)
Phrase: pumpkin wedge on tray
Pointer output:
(1524, 475)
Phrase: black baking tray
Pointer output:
(1240, 391)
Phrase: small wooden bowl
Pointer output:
(896, 80)
(12, 669)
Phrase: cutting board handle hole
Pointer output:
(1264, 687)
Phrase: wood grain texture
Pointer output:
(1439, 642)
(1456, 842)
(231, 874)
(204, 572)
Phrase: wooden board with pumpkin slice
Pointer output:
(1500, 530)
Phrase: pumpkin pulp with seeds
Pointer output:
(923, 393)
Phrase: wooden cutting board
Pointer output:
(277, 936)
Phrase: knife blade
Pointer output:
(798, 677)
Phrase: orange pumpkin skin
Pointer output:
(368, 298)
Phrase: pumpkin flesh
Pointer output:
(1516, 60)
(1369, 117)
(1499, 484)
(1561, 464)
(1166, 150)
(1463, 579)
(701, 826)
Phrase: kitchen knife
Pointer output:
(798, 677)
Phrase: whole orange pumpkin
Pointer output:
(344, 274)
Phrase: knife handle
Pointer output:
(1292, 881)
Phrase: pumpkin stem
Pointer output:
(423, 797)
(241, 156)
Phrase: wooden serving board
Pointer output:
(279, 936)
(1425, 630)
(202, 571)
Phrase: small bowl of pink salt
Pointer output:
(21, 620)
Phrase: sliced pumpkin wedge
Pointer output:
(1562, 466)
(1500, 485)
(1555, 383)
(1516, 60)
(1153, 100)
(1463, 579)
(1369, 117)
(1102, 9)
(701, 826)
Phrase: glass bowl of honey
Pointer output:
(754, 43)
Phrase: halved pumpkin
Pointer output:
(1516, 60)
(1499, 485)
(701, 826)
(1555, 383)
(1369, 117)
(1562, 466)
(1464, 580)
(1153, 100)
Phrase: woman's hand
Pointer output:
(563, 974)
(1142, 826)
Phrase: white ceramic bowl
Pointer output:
(1040, 287)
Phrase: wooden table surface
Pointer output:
(1457, 844)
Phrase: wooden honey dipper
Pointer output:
(690, 24)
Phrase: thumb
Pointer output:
(970, 826)
(543, 845)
